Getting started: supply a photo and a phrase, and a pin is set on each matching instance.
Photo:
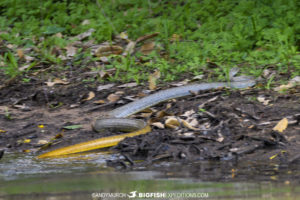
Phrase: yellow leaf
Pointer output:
(191, 124)
(2, 131)
(91, 96)
(41, 126)
(27, 141)
(99, 101)
(172, 123)
(281, 125)
(26, 151)
(274, 156)
(123, 35)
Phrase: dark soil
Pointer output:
(238, 127)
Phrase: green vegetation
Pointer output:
(251, 34)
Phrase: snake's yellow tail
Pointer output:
(94, 144)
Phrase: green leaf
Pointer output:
(72, 127)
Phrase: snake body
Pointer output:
(117, 117)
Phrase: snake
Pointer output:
(117, 119)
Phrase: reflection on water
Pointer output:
(86, 176)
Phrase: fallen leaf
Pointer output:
(146, 37)
(41, 126)
(71, 51)
(123, 36)
(27, 141)
(113, 98)
(128, 85)
(90, 96)
(147, 48)
(22, 107)
(85, 34)
(129, 48)
(2, 131)
(292, 83)
(188, 134)
(198, 77)
(72, 127)
(85, 22)
(191, 125)
(28, 58)
(188, 113)
(158, 125)
(274, 156)
(106, 50)
(263, 100)
(181, 83)
(20, 53)
(26, 150)
(42, 142)
(10, 46)
(99, 101)
(172, 123)
(281, 125)
(152, 79)
(56, 81)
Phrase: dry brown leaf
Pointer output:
(24, 67)
(113, 98)
(191, 125)
(20, 53)
(281, 125)
(158, 125)
(172, 123)
(129, 48)
(105, 87)
(292, 83)
(152, 79)
(85, 34)
(106, 50)
(147, 48)
(56, 81)
(71, 51)
(28, 58)
(90, 96)
(128, 85)
(188, 113)
(146, 37)
(161, 114)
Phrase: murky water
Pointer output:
(22, 176)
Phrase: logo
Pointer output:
(132, 194)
